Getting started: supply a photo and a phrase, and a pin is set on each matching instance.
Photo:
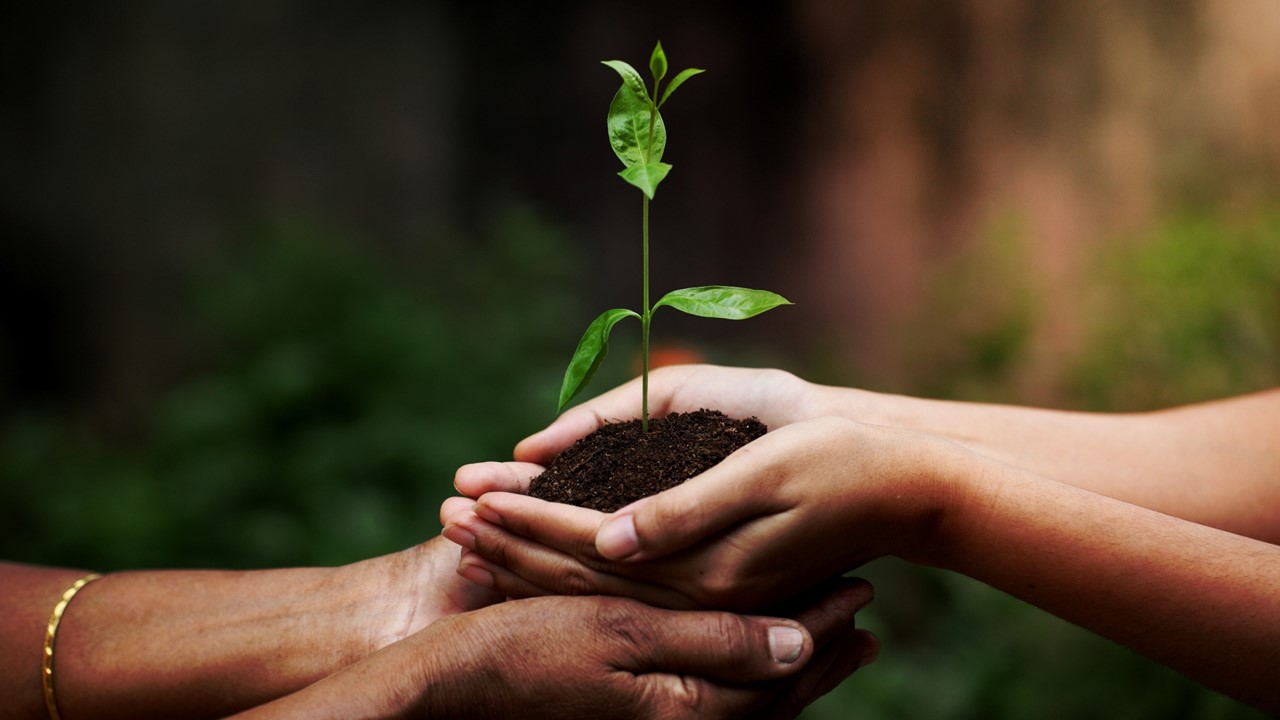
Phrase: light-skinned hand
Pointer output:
(769, 522)
(776, 397)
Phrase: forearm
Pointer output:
(184, 643)
(1202, 601)
(381, 686)
(1212, 463)
(410, 678)
(27, 597)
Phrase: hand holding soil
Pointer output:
(775, 397)
(786, 523)
(768, 523)
(606, 465)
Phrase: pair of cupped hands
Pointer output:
(769, 530)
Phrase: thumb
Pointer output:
(714, 645)
(543, 446)
(578, 422)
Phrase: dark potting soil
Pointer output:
(619, 463)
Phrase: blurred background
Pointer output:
(270, 271)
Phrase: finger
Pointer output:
(502, 581)
(573, 425)
(737, 489)
(829, 610)
(777, 398)
(477, 479)
(453, 506)
(840, 648)
(788, 697)
(620, 403)
(714, 645)
(831, 665)
(694, 698)
(854, 650)
(547, 568)
(566, 528)
(864, 645)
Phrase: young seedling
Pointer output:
(639, 137)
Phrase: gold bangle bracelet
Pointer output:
(46, 661)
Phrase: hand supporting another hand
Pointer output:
(561, 657)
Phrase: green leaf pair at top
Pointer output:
(639, 137)
(636, 130)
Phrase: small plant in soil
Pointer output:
(598, 474)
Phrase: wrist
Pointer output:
(409, 590)
(437, 682)
(392, 593)
(963, 491)
(395, 682)
(862, 406)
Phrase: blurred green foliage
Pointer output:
(343, 390)
(1191, 313)
(975, 328)
(341, 395)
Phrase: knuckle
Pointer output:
(670, 697)
(835, 423)
(674, 509)
(718, 587)
(687, 698)
(576, 580)
(610, 613)
(617, 618)
(838, 428)
(781, 378)
(733, 633)
(584, 549)
(494, 546)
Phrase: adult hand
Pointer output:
(247, 636)
(413, 588)
(776, 397)
(561, 657)
(803, 503)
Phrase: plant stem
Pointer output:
(648, 311)
(644, 326)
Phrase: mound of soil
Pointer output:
(619, 463)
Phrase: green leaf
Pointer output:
(629, 119)
(722, 301)
(646, 177)
(592, 349)
(677, 81)
(658, 63)
(630, 79)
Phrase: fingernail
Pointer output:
(785, 643)
(617, 539)
(477, 575)
(487, 514)
(461, 536)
